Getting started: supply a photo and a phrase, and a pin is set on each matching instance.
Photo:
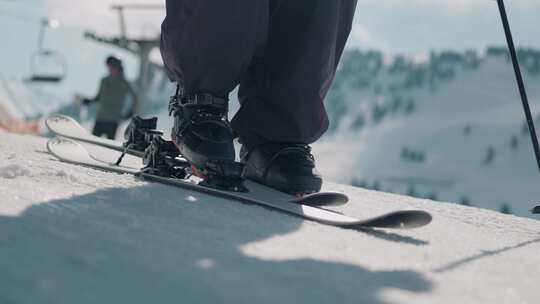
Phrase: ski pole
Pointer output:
(521, 85)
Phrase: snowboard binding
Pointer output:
(138, 131)
(139, 135)
(162, 158)
(223, 174)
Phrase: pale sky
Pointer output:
(395, 26)
(419, 25)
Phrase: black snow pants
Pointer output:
(105, 127)
(283, 53)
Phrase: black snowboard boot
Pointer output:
(288, 168)
(201, 130)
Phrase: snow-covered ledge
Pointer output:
(74, 235)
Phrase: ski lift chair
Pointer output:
(47, 65)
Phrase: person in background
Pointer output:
(111, 97)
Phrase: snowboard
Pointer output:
(68, 127)
(305, 207)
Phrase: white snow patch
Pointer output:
(14, 171)
(191, 198)
(65, 175)
(205, 263)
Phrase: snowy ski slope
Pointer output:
(75, 235)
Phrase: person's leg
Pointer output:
(110, 130)
(282, 94)
(107, 128)
(98, 129)
(207, 44)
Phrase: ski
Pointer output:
(305, 207)
(65, 126)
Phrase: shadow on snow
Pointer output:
(484, 254)
(129, 246)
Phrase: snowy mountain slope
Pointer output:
(450, 127)
(75, 235)
(20, 100)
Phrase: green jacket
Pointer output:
(111, 97)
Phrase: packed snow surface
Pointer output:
(70, 234)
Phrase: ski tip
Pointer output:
(55, 119)
(536, 210)
(403, 219)
(419, 218)
(59, 141)
(65, 142)
(414, 219)
(320, 199)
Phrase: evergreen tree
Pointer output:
(490, 155)
(514, 142)
(505, 208)
(465, 201)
